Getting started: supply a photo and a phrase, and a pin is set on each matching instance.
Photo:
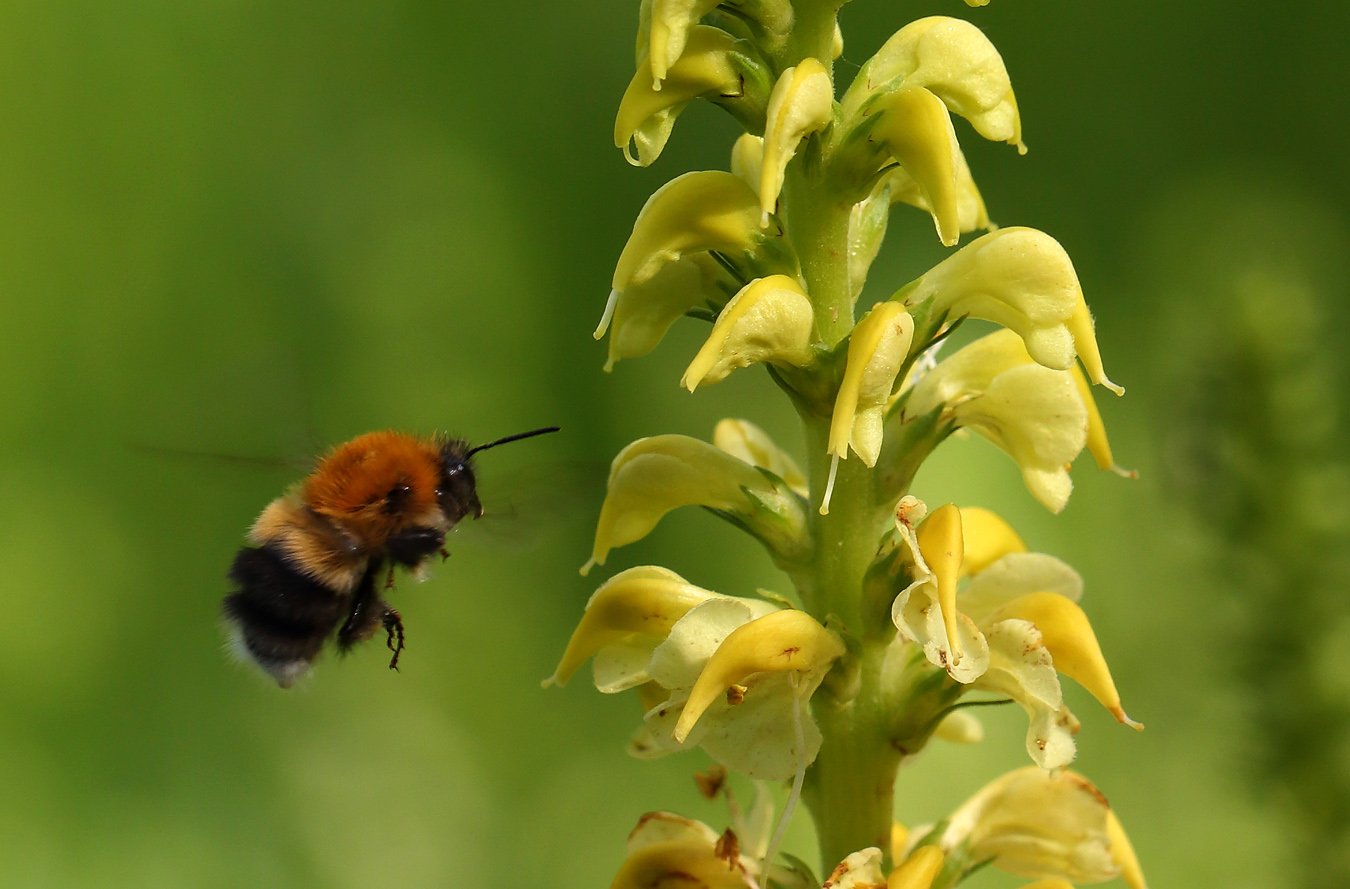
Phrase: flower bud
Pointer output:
(638, 318)
(801, 104)
(693, 213)
(1016, 277)
(914, 128)
(877, 348)
(960, 727)
(1033, 413)
(770, 320)
(779, 642)
(746, 441)
(951, 59)
(714, 64)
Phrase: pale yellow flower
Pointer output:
(768, 320)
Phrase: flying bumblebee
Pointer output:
(318, 551)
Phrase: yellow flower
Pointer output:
(800, 105)
(951, 59)
(918, 870)
(654, 475)
(1011, 630)
(714, 63)
(1037, 825)
(914, 128)
(1017, 277)
(770, 320)
(1033, 413)
(664, 27)
(693, 213)
(638, 318)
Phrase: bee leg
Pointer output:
(389, 581)
(445, 554)
(393, 625)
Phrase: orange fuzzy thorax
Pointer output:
(352, 484)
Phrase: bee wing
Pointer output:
(523, 505)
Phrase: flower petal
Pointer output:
(914, 127)
(746, 441)
(769, 320)
(654, 475)
(638, 318)
(986, 537)
(778, 642)
(1017, 574)
(1021, 668)
(1068, 636)
(955, 61)
(919, 869)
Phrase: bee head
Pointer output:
(457, 489)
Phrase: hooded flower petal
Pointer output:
(654, 475)
(1033, 413)
(693, 213)
(970, 210)
(800, 105)
(770, 320)
(638, 318)
(1069, 638)
(664, 27)
(955, 61)
(750, 731)
(641, 602)
(779, 642)
(1085, 342)
(877, 348)
(914, 128)
(746, 441)
(1037, 825)
(1017, 277)
(713, 64)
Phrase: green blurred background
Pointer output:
(242, 228)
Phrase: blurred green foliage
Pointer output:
(242, 228)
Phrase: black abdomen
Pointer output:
(283, 616)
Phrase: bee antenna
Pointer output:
(510, 438)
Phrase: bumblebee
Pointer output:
(317, 553)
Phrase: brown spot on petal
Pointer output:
(1041, 743)
(837, 874)
(736, 694)
(1084, 784)
(789, 652)
(711, 782)
(728, 849)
